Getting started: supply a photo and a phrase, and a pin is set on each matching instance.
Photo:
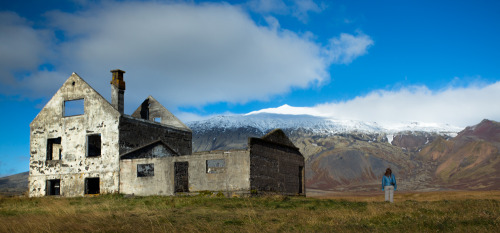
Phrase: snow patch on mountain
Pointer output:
(320, 125)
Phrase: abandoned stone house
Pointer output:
(80, 144)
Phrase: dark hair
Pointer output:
(388, 172)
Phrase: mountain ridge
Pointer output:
(320, 125)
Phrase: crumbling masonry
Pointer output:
(81, 144)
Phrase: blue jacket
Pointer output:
(386, 181)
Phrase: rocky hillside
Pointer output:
(471, 160)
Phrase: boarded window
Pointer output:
(53, 187)
(54, 149)
(216, 166)
(144, 170)
(94, 145)
(74, 107)
(92, 185)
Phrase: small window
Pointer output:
(53, 187)
(92, 185)
(216, 166)
(157, 119)
(94, 145)
(54, 149)
(145, 170)
(74, 107)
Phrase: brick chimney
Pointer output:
(117, 90)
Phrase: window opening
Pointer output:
(74, 107)
(145, 170)
(92, 185)
(53, 187)
(157, 119)
(94, 145)
(54, 149)
(181, 177)
(216, 166)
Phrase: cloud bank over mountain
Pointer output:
(461, 106)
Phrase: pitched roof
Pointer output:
(279, 137)
(155, 149)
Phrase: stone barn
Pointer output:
(80, 144)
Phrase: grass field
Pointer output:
(411, 212)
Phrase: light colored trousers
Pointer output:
(389, 193)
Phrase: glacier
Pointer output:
(318, 125)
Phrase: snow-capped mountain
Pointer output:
(265, 122)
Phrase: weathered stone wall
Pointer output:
(151, 109)
(233, 178)
(276, 168)
(138, 132)
(74, 166)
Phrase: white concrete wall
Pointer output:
(235, 178)
(99, 118)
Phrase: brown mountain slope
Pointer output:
(14, 185)
(347, 163)
(469, 161)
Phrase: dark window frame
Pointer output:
(92, 150)
(92, 185)
(146, 170)
(50, 148)
(53, 187)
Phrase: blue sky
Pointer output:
(384, 61)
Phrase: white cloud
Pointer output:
(460, 107)
(22, 48)
(302, 8)
(188, 54)
(182, 54)
(299, 9)
(347, 47)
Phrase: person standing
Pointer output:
(389, 185)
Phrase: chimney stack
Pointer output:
(117, 90)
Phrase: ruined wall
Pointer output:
(138, 132)
(99, 117)
(234, 177)
(276, 168)
(152, 110)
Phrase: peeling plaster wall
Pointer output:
(99, 118)
(275, 167)
(151, 109)
(138, 132)
(234, 179)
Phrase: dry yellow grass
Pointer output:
(412, 212)
(406, 196)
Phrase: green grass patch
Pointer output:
(213, 213)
